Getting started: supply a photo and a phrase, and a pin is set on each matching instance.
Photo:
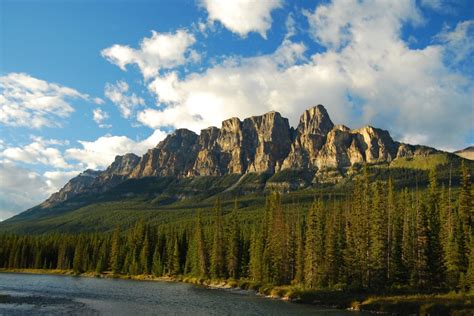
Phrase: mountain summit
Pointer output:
(258, 144)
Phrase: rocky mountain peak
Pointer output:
(123, 165)
(264, 144)
(313, 127)
(315, 120)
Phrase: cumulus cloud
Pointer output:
(126, 103)
(100, 153)
(242, 16)
(351, 22)
(367, 75)
(40, 151)
(99, 117)
(160, 51)
(238, 87)
(23, 188)
(29, 102)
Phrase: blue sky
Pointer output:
(83, 81)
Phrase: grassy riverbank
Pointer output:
(433, 304)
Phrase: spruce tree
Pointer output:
(314, 246)
(78, 263)
(200, 258)
(145, 256)
(299, 260)
(465, 203)
(157, 265)
(378, 239)
(233, 244)
(115, 253)
(217, 254)
(434, 227)
(175, 267)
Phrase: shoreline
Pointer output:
(442, 303)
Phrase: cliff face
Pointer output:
(311, 134)
(261, 144)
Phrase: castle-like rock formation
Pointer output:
(261, 144)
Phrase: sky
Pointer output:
(84, 81)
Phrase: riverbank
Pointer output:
(434, 304)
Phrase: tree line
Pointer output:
(375, 238)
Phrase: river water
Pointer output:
(31, 294)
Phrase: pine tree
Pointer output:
(277, 242)
(422, 271)
(299, 260)
(378, 239)
(175, 267)
(395, 269)
(115, 253)
(217, 254)
(434, 227)
(157, 265)
(102, 262)
(233, 244)
(465, 203)
(408, 236)
(256, 255)
(145, 256)
(314, 246)
(334, 262)
(200, 258)
(78, 263)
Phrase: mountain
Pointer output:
(467, 153)
(243, 157)
(260, 144)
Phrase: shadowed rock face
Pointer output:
(262, 144)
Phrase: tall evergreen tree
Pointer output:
(200, 258)
(314, 246)
(217, 254)
(378, 238)
(145, 256)
(115, 252)
(233, 243)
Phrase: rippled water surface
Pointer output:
(50, 294)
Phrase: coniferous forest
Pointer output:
(375, 238)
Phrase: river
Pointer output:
(59, 295)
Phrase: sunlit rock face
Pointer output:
(258, 144)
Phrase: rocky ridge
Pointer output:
(259, 144)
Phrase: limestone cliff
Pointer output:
(259, 144)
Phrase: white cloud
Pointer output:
(238, 87)
(126, 103)
(160, 51)
(442, 6)
(458, 43)
(100, 116)
(29, 102)
(100, 153)
(243, 16)
(37, 152)
(361, 22)
(98, 101)
(367, 75)
(23, 188)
